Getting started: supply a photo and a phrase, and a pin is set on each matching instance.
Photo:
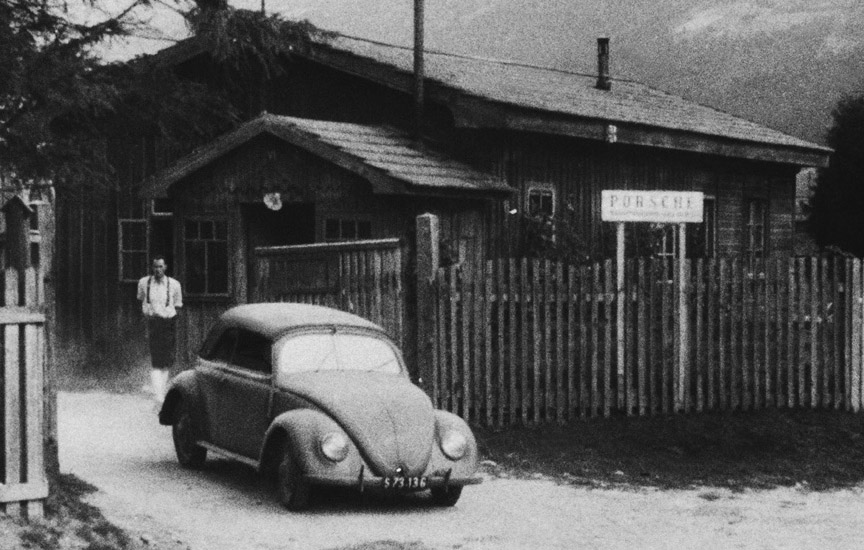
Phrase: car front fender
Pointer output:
(302, 430)
(465, 467)
(183, 387)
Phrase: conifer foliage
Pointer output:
(837, 207)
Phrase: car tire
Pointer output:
(446, 496)
(183, 431)
(293, 490)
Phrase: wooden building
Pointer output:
(555, 139)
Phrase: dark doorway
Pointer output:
(162, 241)
(292, 224)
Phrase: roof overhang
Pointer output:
(471, 111)
(447, 178)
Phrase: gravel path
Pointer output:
(114, 442)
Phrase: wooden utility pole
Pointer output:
(419, 69)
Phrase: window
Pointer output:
(133, 249)
(339, 229)
(161, 207)
(329, 351)
(541, 202)
(206, 257)
(756, 221)
(252, 351)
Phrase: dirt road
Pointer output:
(114, 442)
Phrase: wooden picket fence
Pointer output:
(23, 486)
(533, 341)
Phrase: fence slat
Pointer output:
(609, 314)
(465, 334)
(571, 301)
(815, 295)
(537, 341)
(713, 332)
(839, 365)
(559, 343)
(641, 322)
(491, 289)
(512, 288)
(595, 340)
(584, 308)
(699, 362)
(33, 342)
(548, 399)
(524, 295)
(803, 314)
(857, 311)
(452, 375)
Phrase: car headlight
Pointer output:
(454, 445)
(334, 446)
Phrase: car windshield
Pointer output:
(335, 351)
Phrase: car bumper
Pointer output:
(363, 482)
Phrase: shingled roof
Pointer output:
(386, 157)
(633, 106)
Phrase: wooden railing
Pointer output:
(531, 341)
(22, 472)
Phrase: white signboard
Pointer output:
(618, 205)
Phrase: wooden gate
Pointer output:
(362, 277)
(22, 475)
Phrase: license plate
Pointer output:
(407, 483)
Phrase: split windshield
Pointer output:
(329, 351)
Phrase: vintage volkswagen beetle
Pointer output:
(315, 396)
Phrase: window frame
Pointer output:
(542, 189)
(121, 251)
(184, 242)
(756, 251)
(342, 218)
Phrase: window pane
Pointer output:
(134, 235)
(206, 230)
(331, 230)
(217, 267)
(319, 352)
(221, 230)
(195, 264)
(191, 229)
(253, 352)
(364, 230)
(134, 265)
(162, 206)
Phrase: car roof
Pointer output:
(274, 319)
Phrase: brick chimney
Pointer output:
(603, 81)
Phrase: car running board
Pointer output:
(229, 454)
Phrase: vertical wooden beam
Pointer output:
(682, 381)
(619, 309)
(428, 262)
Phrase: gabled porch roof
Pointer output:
(388, 158)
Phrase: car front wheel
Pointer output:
(446, 496)
(293, 489)
(189, 453)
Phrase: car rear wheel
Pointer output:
(446, 496)
(293, 489)
(189, 453)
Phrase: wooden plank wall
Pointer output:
(362, 277)
(532, 341)
(23, 486)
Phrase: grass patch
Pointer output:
(68, 522)
(760, 450)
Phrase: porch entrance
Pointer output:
(361, 277)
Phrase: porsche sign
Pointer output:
(619, 205)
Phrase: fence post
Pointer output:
(428, 261)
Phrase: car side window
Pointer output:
(223, 349)
(253, 351)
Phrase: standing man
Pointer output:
(160, 297)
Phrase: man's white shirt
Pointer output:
(165, 296)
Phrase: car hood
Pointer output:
(391, 420)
